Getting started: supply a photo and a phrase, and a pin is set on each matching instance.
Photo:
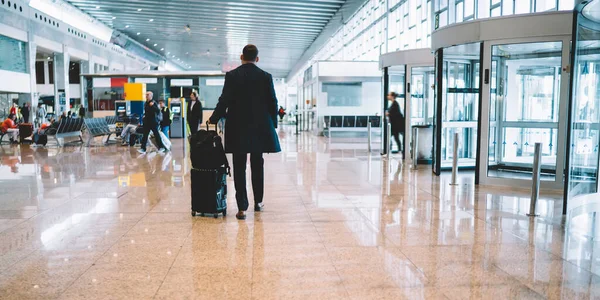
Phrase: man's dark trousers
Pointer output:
(239, 177)
(154, 129)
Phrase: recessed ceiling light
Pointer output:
(114, 18)
(162, 49)
(168, 52)
(126, 26)
(139, 9)
(147, 40)
(187, 53)
(49, 58)
(151, 20)
(138, 33)
(155, 45)
(97, 6)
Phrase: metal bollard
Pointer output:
(535, 186)
(415, 146)
(297, 123)
(454, 160)
(389, 140)
(369, 135)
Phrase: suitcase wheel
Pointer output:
(216, 215)
(224, 213)
(193, 213)
(202, 214)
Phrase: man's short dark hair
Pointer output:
(161, 100)
(250, 53)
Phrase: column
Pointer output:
(86, 67)
(33, 96)
(61, 81)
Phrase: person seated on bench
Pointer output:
(10, 127)
(129, 129)
(43, 131)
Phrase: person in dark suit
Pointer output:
(249, 100)
(150, 123)
(194, 113)
(396, 118)
(25, 112)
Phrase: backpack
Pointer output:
(159, 116)
(206, 150)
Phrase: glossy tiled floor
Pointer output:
(105, 223)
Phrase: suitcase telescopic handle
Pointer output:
(208, 126)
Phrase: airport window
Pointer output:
(74, 73)
(14, 56)
(460, 12)
(39, 72)
(507, 8)
(522, 7)
(545, 5)
(343, 94)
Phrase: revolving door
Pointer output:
(411, 75)
(582, 186)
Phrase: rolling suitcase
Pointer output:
(165, 141)
(209, 191)
(209, 174)
(42, 139)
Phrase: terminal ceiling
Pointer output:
(209, 34)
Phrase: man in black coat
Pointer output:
(194, 113)
(150, 123)
(248, 99)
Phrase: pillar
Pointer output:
(61, 81)
(33, 95)
(86, 67)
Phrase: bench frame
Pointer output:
(103, 123)
(57, 136)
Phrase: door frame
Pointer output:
(557, 183)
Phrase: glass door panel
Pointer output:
(460, 103)
(397, 83)
(583, 195)
(524, 108)
(422, 95)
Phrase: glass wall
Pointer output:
(583, 187)
(459, 106)
(383, 26)
(524, 108)
(448, 12)
(210, 90)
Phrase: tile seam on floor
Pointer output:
(174, 260)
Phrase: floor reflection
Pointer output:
(340, 223)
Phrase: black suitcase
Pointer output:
(209, 191)
(209, 173)
(42, 139)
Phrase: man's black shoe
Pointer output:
(258, 207)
